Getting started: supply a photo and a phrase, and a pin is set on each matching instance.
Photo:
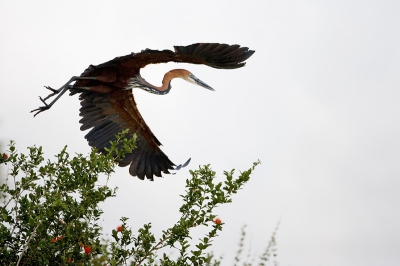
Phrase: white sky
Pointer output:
(318, 104)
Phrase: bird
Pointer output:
(108, 106)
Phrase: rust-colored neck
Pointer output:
(170, 75)
(139, 82)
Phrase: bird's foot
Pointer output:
(42, 108)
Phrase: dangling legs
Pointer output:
(60, 92)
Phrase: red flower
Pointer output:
(217, 221)
(53, 239)
(59, 237)
(120, 228)
(5, 156)
(88, 249)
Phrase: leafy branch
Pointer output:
(51, 211)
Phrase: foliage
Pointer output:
(50, 213)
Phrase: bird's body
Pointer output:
(108, 106)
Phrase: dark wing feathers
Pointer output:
(100, 112)
(141, 59)
(107, 108)
(215, 55)
(127, 159)
(154, 166)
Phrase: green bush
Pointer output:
(50, 211)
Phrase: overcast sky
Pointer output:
(318, 104)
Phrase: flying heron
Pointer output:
(108, 106)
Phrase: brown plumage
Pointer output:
(108, 106)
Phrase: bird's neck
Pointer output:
(139, 82)
(170, 75)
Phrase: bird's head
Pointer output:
(188, 76)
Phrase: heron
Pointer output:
(108, 106)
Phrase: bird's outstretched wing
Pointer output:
(109, 114)
(215, 55)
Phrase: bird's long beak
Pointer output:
(192, 78)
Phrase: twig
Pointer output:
(27, 244)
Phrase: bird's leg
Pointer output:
(60, 92)
(74, 78)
